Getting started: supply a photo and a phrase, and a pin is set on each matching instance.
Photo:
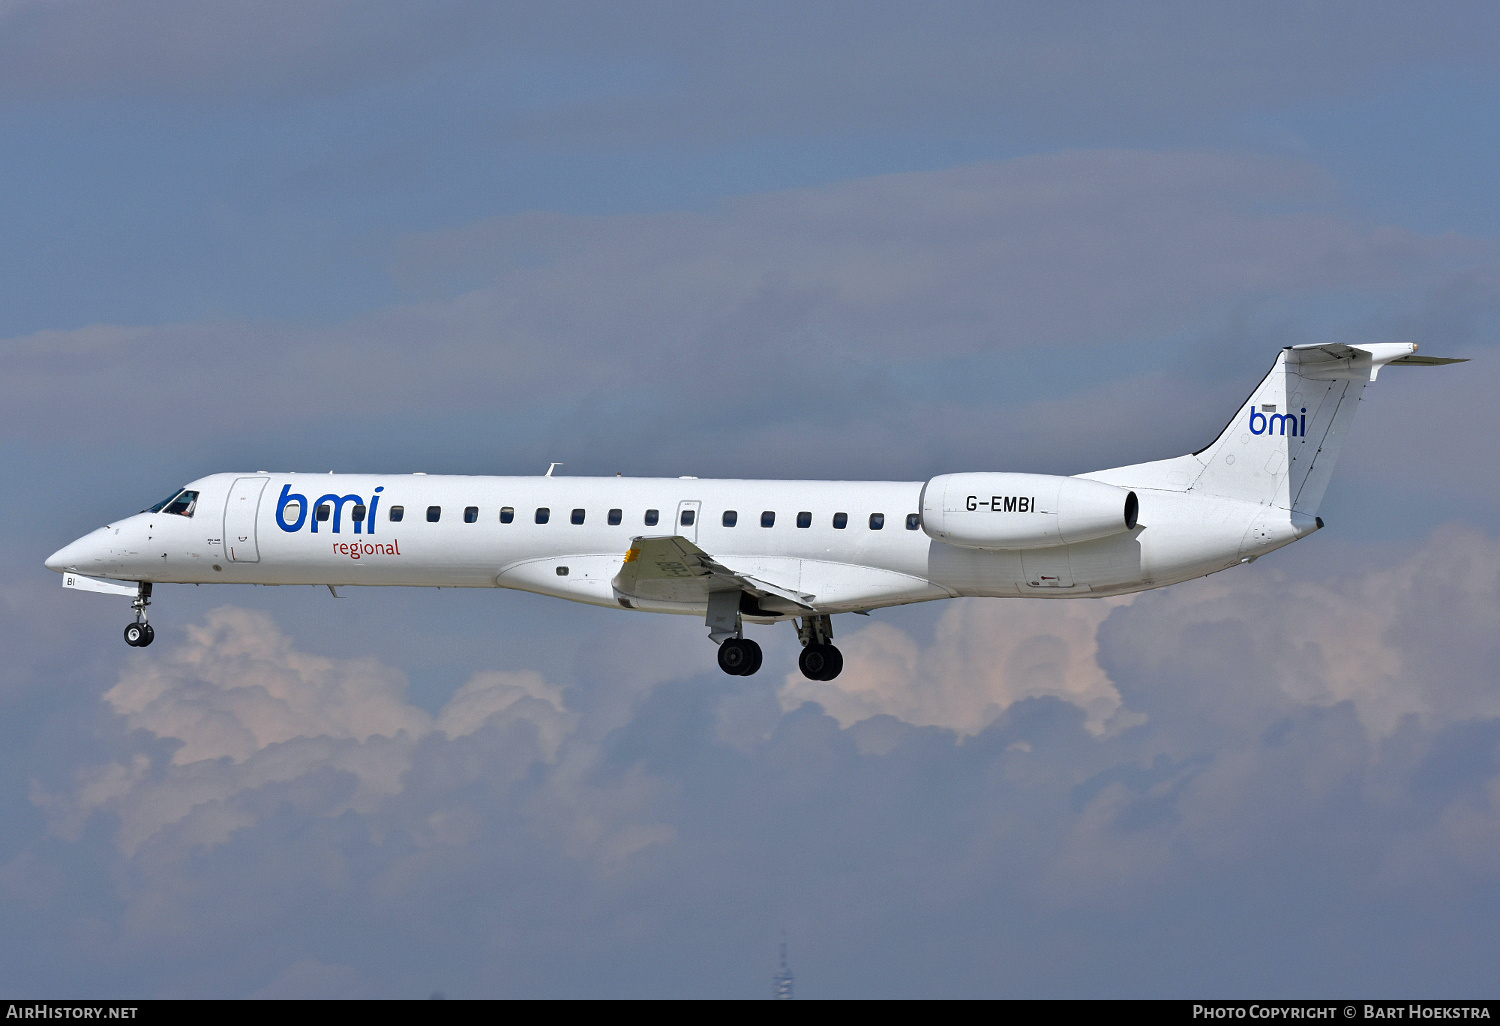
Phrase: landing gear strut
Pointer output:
(140, 634)
(819, 659)
(738, 655)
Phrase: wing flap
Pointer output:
(673, 569)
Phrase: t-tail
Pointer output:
(1280, 448)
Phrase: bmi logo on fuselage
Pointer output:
(1273, 423)
(326, 506)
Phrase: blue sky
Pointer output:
(866, 241)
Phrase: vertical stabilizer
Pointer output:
(1280, 449)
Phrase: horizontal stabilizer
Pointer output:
(1334, 360)
(1425, 361)
(78, 582)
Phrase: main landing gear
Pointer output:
(140, 634)
(740, 657)
(819, 659)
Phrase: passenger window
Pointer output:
(913, 521)
(804, 519)
(397, 512)
(183, 504)
(768, 518)
(358, 515)
(543, 514)
(471, 514)
(578, 516)
(507, 514)
(840, 521)
(614, 518)
(731, 517)
(322, 512)
(652, 516)
(687, 518)
(434, 514)
(877, 521)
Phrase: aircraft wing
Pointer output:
(673, 569)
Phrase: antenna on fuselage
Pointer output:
(550, 468)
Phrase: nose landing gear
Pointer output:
(140, 634)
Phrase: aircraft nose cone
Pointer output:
(77, 554)
(59, 560)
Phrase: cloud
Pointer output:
(523, 695)
(242, 711)
(667, 70)
(1237, 784)
(237, 687)
(186, 49)
(986, 655)
(1368, 640)
(1415, 639)
(1062, 248)
(859, 286)
(1282, 753)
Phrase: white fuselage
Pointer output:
(729, 550)
(251, 529)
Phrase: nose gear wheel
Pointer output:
(140, 634)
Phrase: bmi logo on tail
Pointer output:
(1288, 423)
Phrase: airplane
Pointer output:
(744, 551)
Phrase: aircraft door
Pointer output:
(239, 520)
(688, 513)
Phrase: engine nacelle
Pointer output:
(1023, 511)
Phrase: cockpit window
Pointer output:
(162, 504)
(182, 504)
